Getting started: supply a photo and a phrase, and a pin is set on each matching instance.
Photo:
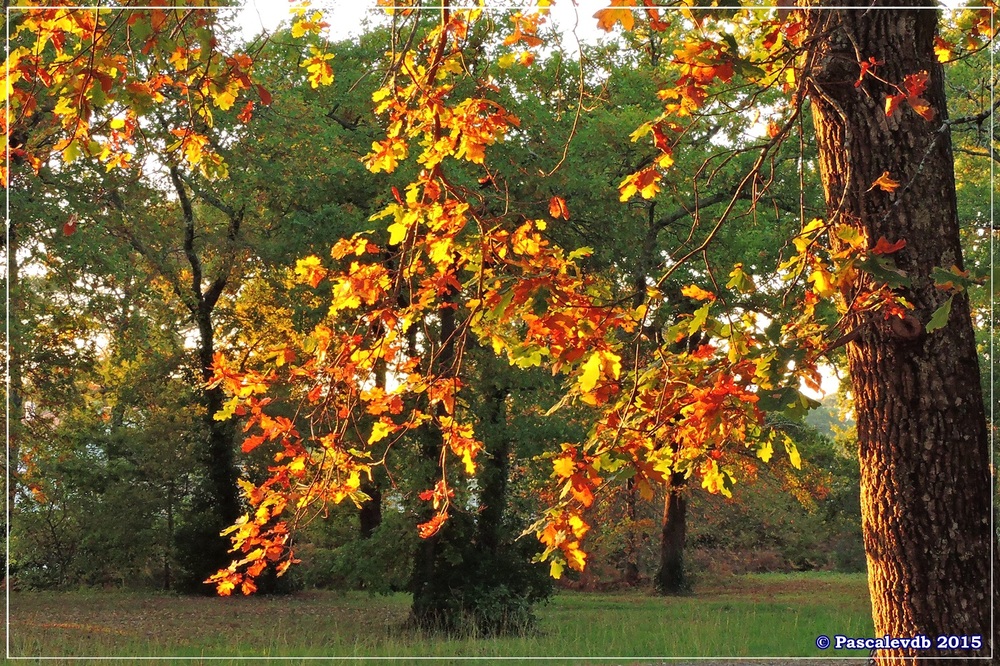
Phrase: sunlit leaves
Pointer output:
(600, 365)
(885, 182)
(558, 209)
(318, 67)
(645, 182)
(618, 12)
(911, 90)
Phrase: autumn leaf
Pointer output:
(913, 87)
(885, 182)
(380, 431)
(793, 453)
(646, 183)
(310, 270)
(556, 569)
(563, 466)
(697, 293)
(885, 247)
(320, 73)
(943, 49)
(70, 227)
(892, 103)
(432, 526)
(866, 66)
(600, 364)
(606, 18)
(557, 208)
(822, 282)
(922, 107)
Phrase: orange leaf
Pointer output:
(922, 107)
(557, 208)
(697, 293)
(606, 18)
(885, 182)
(885, 247)
(432, 526)
(247, 112)
(252, 442)
(915, 84)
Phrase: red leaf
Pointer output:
(885, 247)
(892, 103)
(247, 112)
(251, 443)
(915, 84)
(265, 97)
(70, 227)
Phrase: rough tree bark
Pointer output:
(923, 446)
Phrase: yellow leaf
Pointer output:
(506, 61)
(793, 453)
(564, 467)
(555, 569)
(225, 100)
(591, 372)
(575, 557)
(765, 451)
(822, 282)
(379, 432)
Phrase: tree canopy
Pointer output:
(680, 247)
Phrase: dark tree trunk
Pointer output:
(670, 578)
(220, 456)
(495, 465)
(431, 600)
(203, 550)
(370, 513)
(631, 572)
(925, 475)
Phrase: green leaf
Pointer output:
(740, 281)
(940, 317)
(700, 315)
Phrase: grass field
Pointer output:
(768, 615)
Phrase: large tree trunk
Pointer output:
(925, 476)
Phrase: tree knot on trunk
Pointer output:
(906, 328)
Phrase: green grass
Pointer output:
(760, 615)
